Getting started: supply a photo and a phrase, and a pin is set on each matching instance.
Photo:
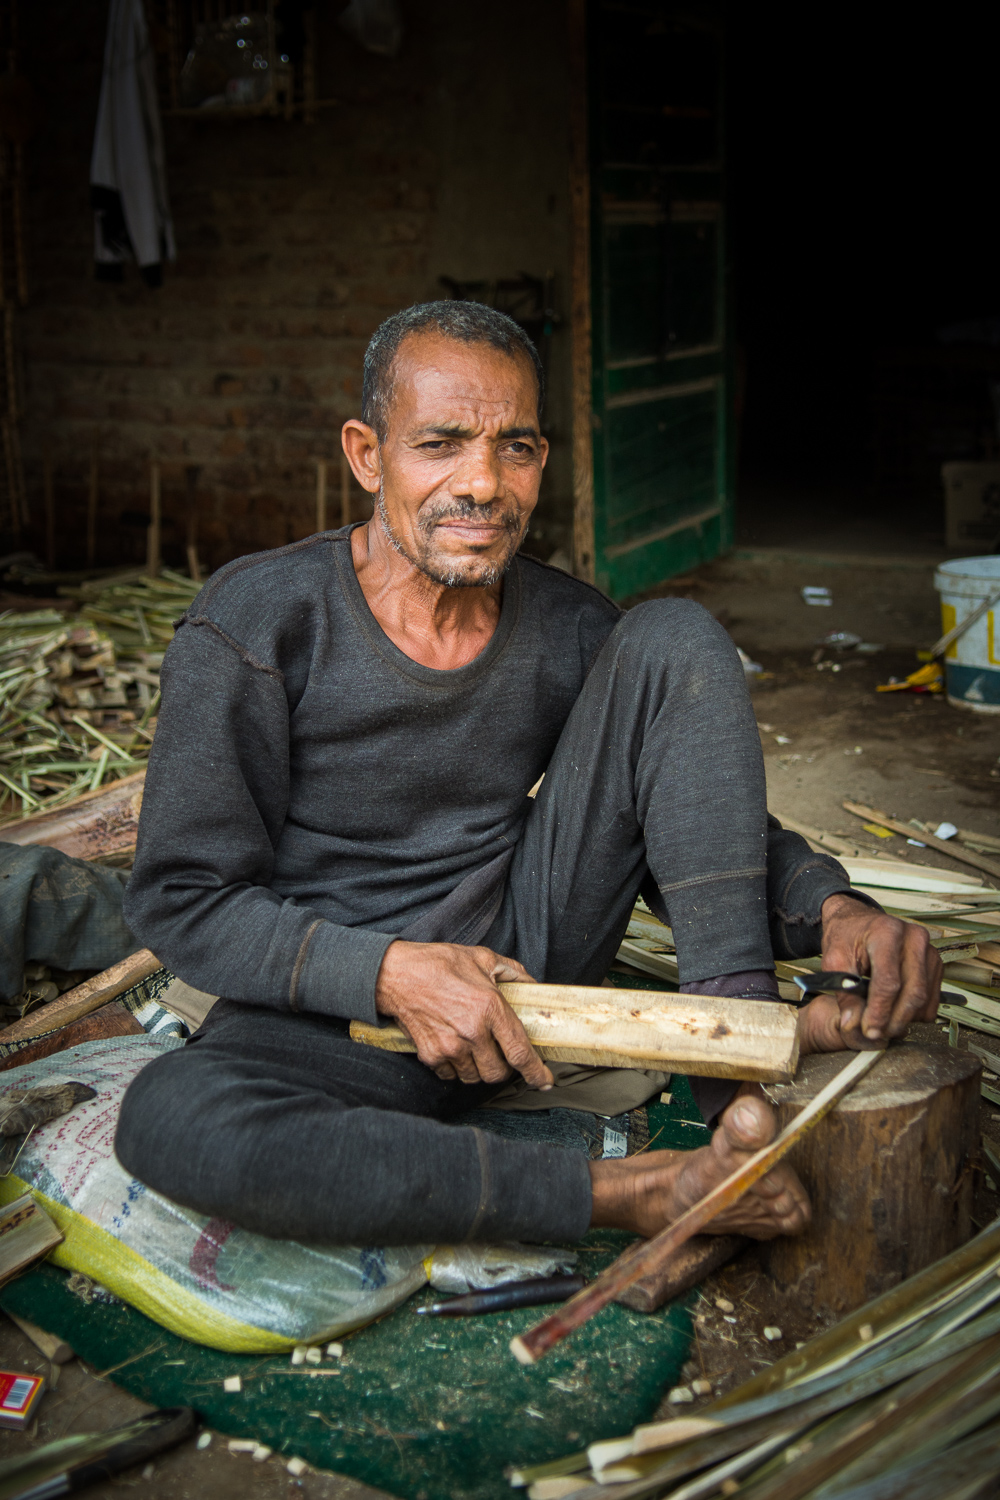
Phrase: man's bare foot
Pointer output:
(645, 1193)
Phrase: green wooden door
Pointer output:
(660, 378)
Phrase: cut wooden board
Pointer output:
(696, 1034)
(93, 826)
(113, 1019)
(26, 1234)
(90, 995)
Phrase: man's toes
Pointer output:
(785, 1201)
(748, 1124)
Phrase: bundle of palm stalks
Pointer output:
(78, 693)
(901, 1399)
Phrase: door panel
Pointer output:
(662, 450)
(660, 379)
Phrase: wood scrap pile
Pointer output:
(78, 693)
(900, 1399)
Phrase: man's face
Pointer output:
(463, 458)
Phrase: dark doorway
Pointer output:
(863, 171)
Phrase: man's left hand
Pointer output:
(904, 985)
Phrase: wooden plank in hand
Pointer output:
(703, 1035)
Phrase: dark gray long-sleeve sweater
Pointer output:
(312, 791)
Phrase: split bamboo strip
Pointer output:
(831, 841)
(640, 1259)
(786, 1413)
(891, 874)
(884, 1317)
(892, 1422)
(698, 1034)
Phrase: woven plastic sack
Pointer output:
(202, 1278)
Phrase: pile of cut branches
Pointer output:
(79, 693)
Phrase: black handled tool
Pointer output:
(837, 982)
(503, 1298)
(50, 1471)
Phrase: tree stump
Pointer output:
(887, 1171)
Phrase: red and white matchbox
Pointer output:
(19, 1395)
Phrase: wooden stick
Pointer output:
(684, 1269)
(55, 1349)
(153, 535)
(191, 474)
(699, 1034)
(320, 494)
(90, 995)
(831, 841)
(345, 490)
(50, 510)
(92, 510)
(944, 846)
(646, 1256)
(941, 647)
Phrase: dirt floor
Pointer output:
(85, 1400)
(827, 736)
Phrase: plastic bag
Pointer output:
(202, 1278)
(477, 1268)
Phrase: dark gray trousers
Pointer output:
(281, 1124)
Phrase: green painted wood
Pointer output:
(663, 491)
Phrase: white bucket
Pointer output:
(972, 665)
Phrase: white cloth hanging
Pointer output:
(127, 171)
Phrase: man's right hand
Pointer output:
(445, 998)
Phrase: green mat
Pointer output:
(426, 1409)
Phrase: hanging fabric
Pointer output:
(128, 180)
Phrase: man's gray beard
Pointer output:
(448, 578)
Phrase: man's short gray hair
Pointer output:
(466, 322)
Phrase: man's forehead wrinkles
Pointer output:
(461, 430)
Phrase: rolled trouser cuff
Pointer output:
(530, 1192)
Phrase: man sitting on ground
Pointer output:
(336, 825)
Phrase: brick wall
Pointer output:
(294, 241)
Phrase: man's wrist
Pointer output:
(842, 904)
(386, 989)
